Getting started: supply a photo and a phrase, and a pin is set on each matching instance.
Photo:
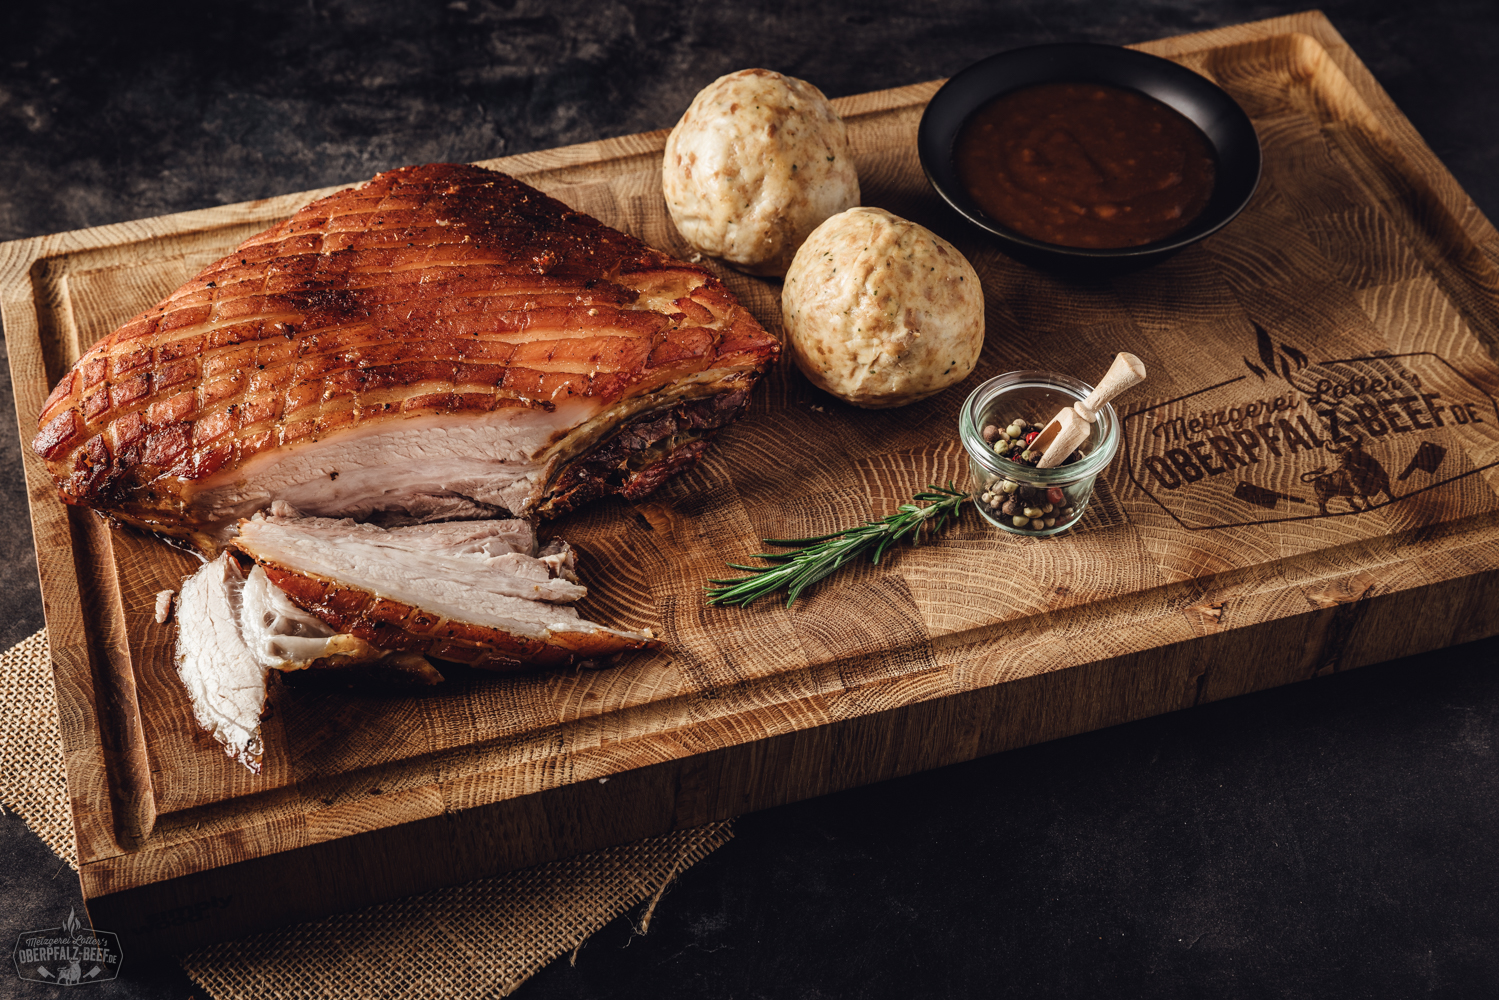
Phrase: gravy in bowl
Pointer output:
(1085, 165)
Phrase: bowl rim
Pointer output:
(929, 144)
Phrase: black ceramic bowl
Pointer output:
(1224, 123)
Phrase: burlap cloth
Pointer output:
(482, 939)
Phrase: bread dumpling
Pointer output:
(758, 161)
(880, 311)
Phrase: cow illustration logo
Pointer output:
(1297, 439)
(1359, 478)
(68, 955)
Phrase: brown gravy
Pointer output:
(1085, 165)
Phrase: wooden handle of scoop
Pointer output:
(1127, 370)
(1072, 423)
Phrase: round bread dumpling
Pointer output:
(756, 163)
(882, 312)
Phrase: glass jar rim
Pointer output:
(971, 431)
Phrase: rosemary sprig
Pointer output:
(818, 557)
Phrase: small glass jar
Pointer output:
(1034, 397)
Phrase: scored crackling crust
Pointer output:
(441, 290)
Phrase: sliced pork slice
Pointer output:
(441, 342)
(225, 681)
(476, 592)
(283, 637)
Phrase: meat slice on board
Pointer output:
(299, 593)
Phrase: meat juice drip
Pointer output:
(1085, 165)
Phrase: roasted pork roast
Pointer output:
(400, 374)
(441, 342)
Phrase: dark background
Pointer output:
(1334, 839)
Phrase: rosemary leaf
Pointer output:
(819, 557)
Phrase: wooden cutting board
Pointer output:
(1239, 541)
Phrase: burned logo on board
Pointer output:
(1296, 438)
(70, 955)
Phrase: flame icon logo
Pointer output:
(72, 924)
(1288, 357)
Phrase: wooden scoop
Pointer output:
(1071, 426)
